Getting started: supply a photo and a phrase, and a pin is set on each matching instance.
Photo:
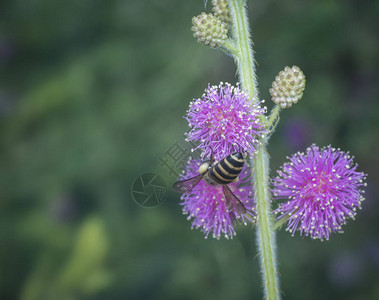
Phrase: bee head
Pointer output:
(204, 167)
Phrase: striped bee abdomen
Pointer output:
(227, 169)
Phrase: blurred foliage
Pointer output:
(92, 93)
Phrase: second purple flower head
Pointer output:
(323, 190)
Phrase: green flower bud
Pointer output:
(288, 87)
(209, 30)
(221, 10)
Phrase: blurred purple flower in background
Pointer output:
(346, 269)
(371, 252)
(63, 208)
(7, 49)
(323, 188)
(206, 204)
(225, 120)
(297, 133)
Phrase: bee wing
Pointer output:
(186, 185)
(233, 201)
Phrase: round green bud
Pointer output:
(209, 30)
(221, 10)
(288, 87)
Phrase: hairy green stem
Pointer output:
(230, 47)
(265, 229)
(265, 233)
(281, 222)
(273, 120)
(245, 57)
(274, 115)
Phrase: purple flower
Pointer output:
(297, 133)
(346, 269)
(323, 188)
(206, 204)
(225, 121)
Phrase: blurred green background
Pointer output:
(92, 95)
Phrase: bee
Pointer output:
(218, 173)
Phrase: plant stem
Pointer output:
(273, 121)
(245, 58)
(274, 115)
(281, 222)
(265, 233)
(229, 47)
